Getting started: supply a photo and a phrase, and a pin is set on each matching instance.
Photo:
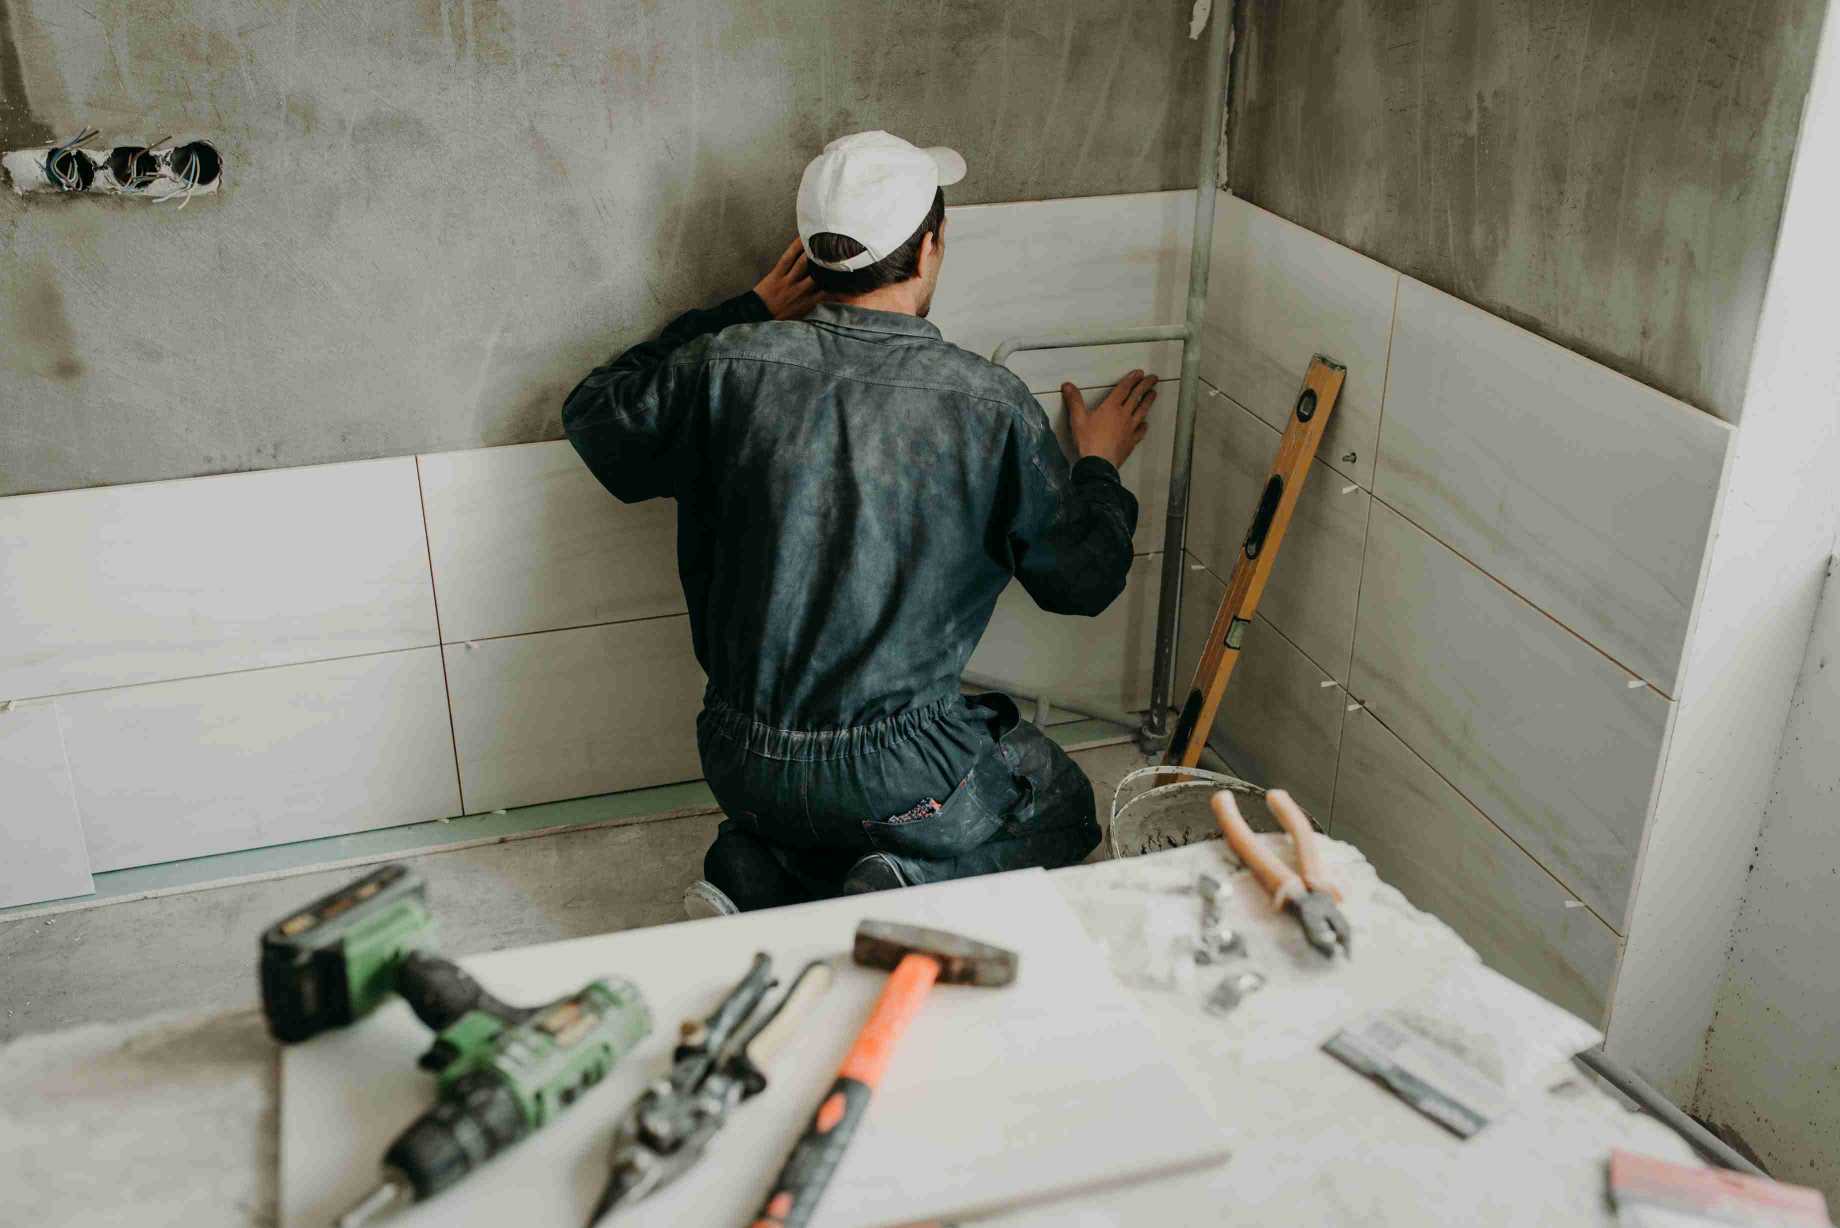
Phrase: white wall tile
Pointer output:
(1278, 725)
(1277, 295)
(207, 765)
(42, 855)
(1104, 660)
(126, 584)
(1538, 729)
(525, 539)
(1316, 582)
(1146, 473)
(572, 713)
(1061, 266)
(1447, 858)
(1586, 492)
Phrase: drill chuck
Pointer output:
(477, 1117)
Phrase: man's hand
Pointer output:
(1115, 426)
(787, 290)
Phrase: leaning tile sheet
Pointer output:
(42, 837)
(995, 1098)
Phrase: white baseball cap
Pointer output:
(874, 188)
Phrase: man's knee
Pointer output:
(1063, 801)
(746, 870)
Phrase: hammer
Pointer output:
(920, 958)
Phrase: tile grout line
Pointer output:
(1282, 633)
(434, 595)
(1508, 836)
(1367, 526)
(52, 696)
(1467, 800)
(1524, 599)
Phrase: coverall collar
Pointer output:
(864, 319)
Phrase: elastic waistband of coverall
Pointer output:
(757, 737)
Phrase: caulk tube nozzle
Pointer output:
(392, 1190)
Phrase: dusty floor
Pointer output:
(196, 951)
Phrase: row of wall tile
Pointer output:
(1495, 556)
(1586, 492)
(1284, 721)
(266, 657)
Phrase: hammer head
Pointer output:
(962, 960)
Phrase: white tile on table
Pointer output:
(128, 584)
(1315, 583)
(1104, 660)
(1535, 727)
(1278, 295)
(525, 539)
(208, 765)
(1588, 493)
(1277, 725)
(42, 854)
(1448, 859)
(561, 714)
(1030, 268)
(1146, 473)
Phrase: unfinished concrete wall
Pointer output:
(437, 216)
(1608, 173)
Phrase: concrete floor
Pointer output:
(195, 951)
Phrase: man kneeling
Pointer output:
(854, 493)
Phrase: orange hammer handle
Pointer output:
(808, 1169)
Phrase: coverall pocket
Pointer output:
(970, 816)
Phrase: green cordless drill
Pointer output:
(502, 1072)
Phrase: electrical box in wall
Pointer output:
(164, 171)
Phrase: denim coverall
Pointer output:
(853, 495)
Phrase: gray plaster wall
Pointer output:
(439, 214)
(1608, 173)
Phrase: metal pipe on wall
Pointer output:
(1175, 534)
(1154, 730)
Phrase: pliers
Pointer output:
(672, 1123)
(1305, 890)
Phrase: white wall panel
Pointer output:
(572, 713)
(1146, 473)
(1060, 266)
(1586, 492)
(1447, 858)
(42, 855)
(1277, 295)
(127, 584)
(207, 765)
(1315, 583)
(1104, 660)
(525, 539)
(1538, 729)
(1278, 725)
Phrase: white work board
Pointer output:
(996, 1098)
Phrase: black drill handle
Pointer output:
(440, 991)
(808, 1169)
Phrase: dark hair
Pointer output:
(896, 267)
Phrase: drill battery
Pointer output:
(335, 960)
